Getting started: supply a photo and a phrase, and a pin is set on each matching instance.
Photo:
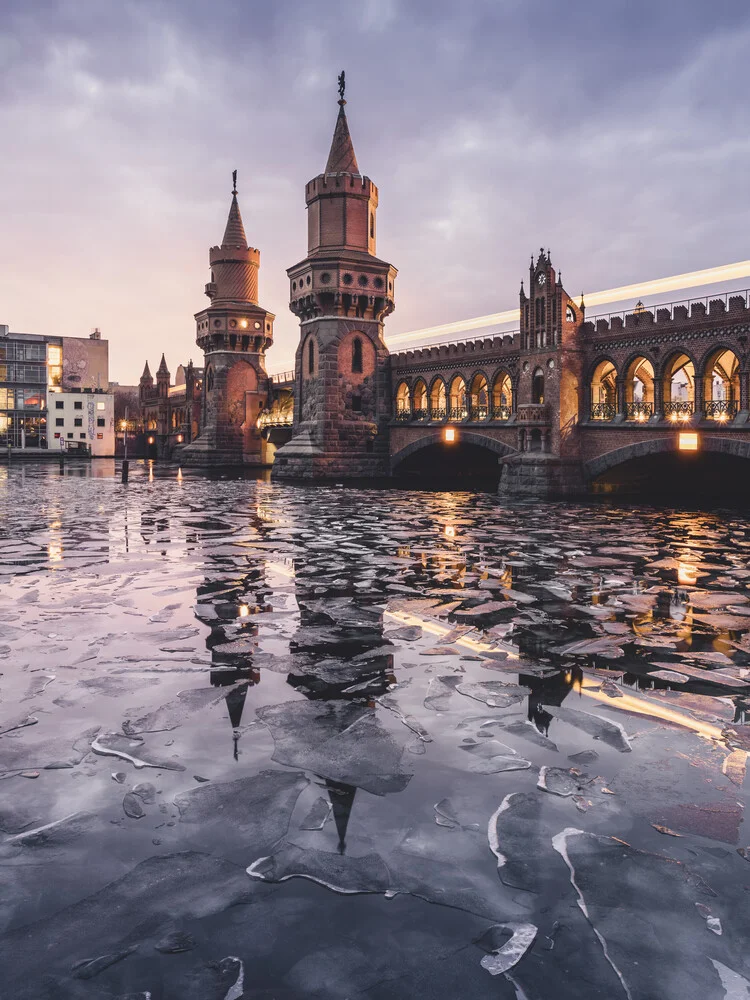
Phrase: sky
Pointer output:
(615, 133)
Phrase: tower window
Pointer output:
(357, 355)
(210, 379)
(311, 357)
(357, 404)
(537, 386)
(372, 225)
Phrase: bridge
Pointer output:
(616, 389)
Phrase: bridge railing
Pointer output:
(279, 377)
(720, 409)
(665, 311)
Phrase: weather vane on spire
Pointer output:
(234, 182)
(342, 84)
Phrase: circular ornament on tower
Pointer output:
(347, 279)
(541, 278)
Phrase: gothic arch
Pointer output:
(435, 436)
(596, 466)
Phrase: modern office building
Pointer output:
(33, 369)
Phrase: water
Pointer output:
(262, 740)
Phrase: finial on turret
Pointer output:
(234, 182)
(583, 304)
(342, 86)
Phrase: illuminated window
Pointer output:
(449, 434)
(101, 406)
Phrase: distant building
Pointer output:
(33, 369)
(168, 415)
(83, 421)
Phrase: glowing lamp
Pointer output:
(673, 418)
(243, 323)
(449, 434)
(150, 440)
(179, 439)
(450, 531)
(688, 442)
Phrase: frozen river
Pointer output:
(260, 740)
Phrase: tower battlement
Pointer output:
(671, 317)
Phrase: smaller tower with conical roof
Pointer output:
(341, 293)
(234, 333)
(162, 378)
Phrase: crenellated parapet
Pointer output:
(699, 318)
(485, 348)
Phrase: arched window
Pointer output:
(357, 354)
(537, 386)
(210, 379)
(570, 315)
(437, 400)
(403, 402)
(419, 397)
(604, 391)
(311, 357)
(372, 225)
(721, 392)
(639, 390)
(502, 397)
(678, 388)
(479, 397)
(458, 401)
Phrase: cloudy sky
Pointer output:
(616, 133)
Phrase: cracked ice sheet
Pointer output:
(626, 893)
(339, 741)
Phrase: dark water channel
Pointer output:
(260, 740)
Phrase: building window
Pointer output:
(77, 405)
(70, 434)
(82, 437)
(59, 405)
(101, 422)
(311, 357)
(357, 404)
(78, 422)
(59, 422)
(99, 437)
(357, 354)
(372, 225)
(100, 406)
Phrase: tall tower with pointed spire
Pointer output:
(234, 333)
(341, 293)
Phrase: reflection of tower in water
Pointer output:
(549, 691)
(338, 651)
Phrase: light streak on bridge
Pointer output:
(658, 286)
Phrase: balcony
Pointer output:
(420, 413)
(501, 413)
(533, 413)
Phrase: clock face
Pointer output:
(541, 278)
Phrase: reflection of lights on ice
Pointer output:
(282, 570)
(54, 551)
(244, 610)
(450, 531)
(687, 574)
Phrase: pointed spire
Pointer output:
(146, 373)
(234, 234)
(162, 369)
(341, 158)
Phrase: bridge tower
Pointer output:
(549, 388)
(341, 293)
(234, 333)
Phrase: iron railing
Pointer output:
(403, 414)
(639, 410)
(458, 413)
(420, 413)
(720, 409)
(603, 411)
(500, 412)
(480, 412)
(678, 409)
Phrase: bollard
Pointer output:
(125, 470)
